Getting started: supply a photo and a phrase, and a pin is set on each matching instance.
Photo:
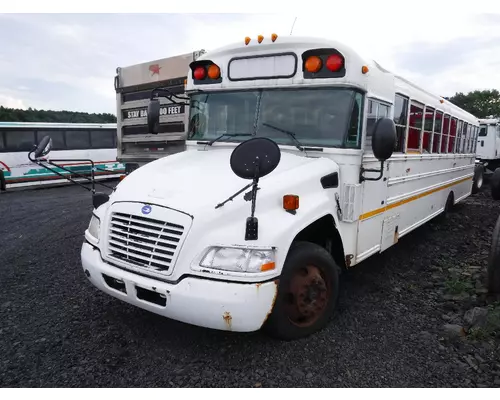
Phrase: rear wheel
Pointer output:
(448, 206)
(307, 293)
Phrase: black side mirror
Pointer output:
(43, 148)
(153, 115)
(384, 138)
(383, 142)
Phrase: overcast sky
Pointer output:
(68, 61)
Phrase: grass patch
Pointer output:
(491, 327)
(456, 286)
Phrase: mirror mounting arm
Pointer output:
(380, 171)
(168, 94)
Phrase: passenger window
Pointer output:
(19, 140)
(376, 111)
(438, 123)
(416, 124)
(78, 139)
(453, 134)
(2, 146)
(446, 132)
(429, 121)
(400, 118)
(56, 136)
(102, 139)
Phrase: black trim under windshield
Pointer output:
(320, 117)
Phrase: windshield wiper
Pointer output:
(292, 135)
(209, 143)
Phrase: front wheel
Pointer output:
(477, 181)
(307, 293)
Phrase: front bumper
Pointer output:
(207, 303)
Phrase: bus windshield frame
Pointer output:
(330, 117)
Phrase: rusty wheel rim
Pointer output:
(307, 296)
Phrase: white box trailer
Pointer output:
(137, 146)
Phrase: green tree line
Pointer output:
(481, 103)
(33, 115)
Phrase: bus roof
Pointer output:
(56, 125)
(378, 82)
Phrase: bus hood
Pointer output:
(195, 181)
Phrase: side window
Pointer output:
(78, 139)
(376, 110)
(19, 140)
(469, 135)
(498, 131)
(371, 117)
(2, 145)
(56, 136)
(464, 138)
(428, 124)
(416, 123)
(459, 137)
(453, 134)
(102, 139)
(483, 131)
(438, 125)
(354, 128)
(400, 119)
(446, 133)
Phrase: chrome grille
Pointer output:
(143, 242)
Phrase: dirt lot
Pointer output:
(401, 320)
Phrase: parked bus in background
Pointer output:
(71, 141)
(133, 84)
(344, 158)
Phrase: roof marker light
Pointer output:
(274, 37)
(247, 40)
(260, 38)
(364, 69)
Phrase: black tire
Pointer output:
(495, 184)
(448, 206)
(2, 181)
(477, 180)
(494, 261)
(307, 266)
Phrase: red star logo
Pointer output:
(154, 69)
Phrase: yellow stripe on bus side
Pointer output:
(409, 199)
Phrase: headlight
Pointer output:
(238, 260)
(94, 227)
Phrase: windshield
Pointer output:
(328, 117)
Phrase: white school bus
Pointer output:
(302, 160)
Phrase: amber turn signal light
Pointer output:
(213, 72)
(290, 202)
(313, 64)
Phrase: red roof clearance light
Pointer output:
(334, 62)
(199, 73)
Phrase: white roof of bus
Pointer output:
(402, 85)
(56, 125)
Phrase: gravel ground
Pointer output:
(57, 330)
